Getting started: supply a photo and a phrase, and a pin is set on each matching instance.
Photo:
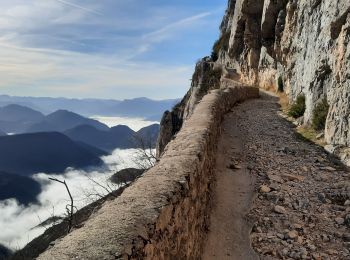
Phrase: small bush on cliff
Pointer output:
(320, 115)
(298, 108)
(214, 56)
(211, 80)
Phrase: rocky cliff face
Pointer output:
(304, 44)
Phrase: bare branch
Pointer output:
(107, 188)
(70, 212)
(145, 157)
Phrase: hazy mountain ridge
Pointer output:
(19, 119)
(16, 118)
(24, 189)
(2, 133)
(22, 155)
(62, 120)
(52, 143)
(138, 107)
(59, 140)
(14, 113)
(27, 154)
(117, 137)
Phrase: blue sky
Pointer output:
(104, 49)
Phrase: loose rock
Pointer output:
(339, 221)
(264, 189)
(280, 210)
(292, 234)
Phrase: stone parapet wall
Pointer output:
(165, 213)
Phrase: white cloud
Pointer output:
(134, 123)
(163, 32)
(167, 31)
(51, 72)
(90, 48)
(80, 7)
(17, 222)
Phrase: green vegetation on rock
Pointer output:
(298, 107)
(211, 80)
(320, 115)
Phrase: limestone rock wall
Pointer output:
(305, 42)
(164, 215)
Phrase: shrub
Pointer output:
(298, 108)
(214, 56)
(320, 115)
(211, 80)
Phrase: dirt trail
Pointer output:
(296, 196)
(234, 190)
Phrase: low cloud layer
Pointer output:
(134, 123)
(17, 222)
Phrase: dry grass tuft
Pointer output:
(311, 134)
(306, 132)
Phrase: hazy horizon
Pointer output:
(82, 98)
(133, 123)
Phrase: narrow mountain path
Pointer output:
(277, 196)
(234, 191)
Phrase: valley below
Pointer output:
(86, 152)
(21, 223)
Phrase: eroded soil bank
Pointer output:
(298, 195)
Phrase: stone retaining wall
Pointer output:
(165, 214)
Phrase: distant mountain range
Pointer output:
(23, 155)
(44, 152)
(62, 139)
(116, 137)
(14, 113)
(62, 120)
(138, 107)
(18, 119)
(22, 188)
(79, 147)
(2, 133)
(32, 142)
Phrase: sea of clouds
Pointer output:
(19, 224)
(134, 123)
